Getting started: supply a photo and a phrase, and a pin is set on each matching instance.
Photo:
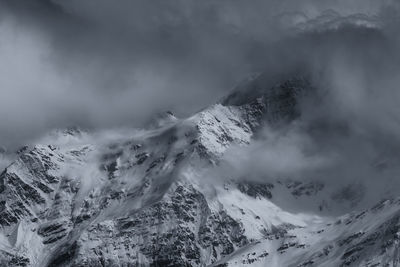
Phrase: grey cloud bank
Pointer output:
(103, 64)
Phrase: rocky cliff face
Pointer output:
(141, 198)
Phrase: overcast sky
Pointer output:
(106, 63)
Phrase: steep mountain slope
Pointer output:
(143, 197)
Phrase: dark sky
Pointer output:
(106, 63)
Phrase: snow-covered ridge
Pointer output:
(140, 197)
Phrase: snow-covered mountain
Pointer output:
(147, 197)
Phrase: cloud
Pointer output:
(99, 64)
(275, 154)
(348, 132)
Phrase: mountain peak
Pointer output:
(162, 119)
(264, 86)
(156, 198)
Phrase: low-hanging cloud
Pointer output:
(101, 64)
(348, 131)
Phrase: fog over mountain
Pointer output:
(100, 64)
(267, 127)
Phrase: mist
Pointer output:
(347, 134)
(98, 64)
